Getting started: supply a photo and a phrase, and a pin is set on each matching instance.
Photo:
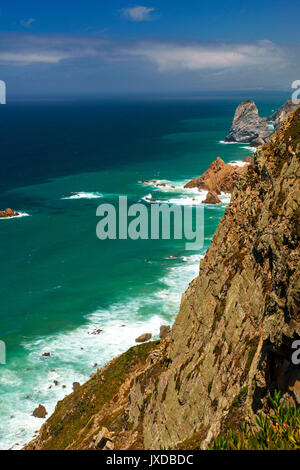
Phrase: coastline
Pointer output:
(178, 274)
(185, 268)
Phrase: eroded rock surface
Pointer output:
(219, 177)
(247, 125)
(282, 113)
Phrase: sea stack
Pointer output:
(247, 125)
(219, 177)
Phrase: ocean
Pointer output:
(59, 160)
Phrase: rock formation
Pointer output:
(8, 213)
(282, 113)
(211, 198)
(247, 125)
(40, 412)
(144, 337)
(220, 177)
(231, 340)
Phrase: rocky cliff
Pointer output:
(247, 125)
(231, 341)
(282, 113)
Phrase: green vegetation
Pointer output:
(71, 419)
(279, 430)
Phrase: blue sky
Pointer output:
(108, 46)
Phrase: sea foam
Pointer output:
(83, 195)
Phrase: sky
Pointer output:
(118, 46)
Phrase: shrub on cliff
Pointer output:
(279, 430)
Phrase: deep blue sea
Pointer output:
(59, 160)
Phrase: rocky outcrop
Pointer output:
(220, 177)
(164, 331)
(247, 125)
(211, 198)
(231, 340)
(40, 412)
(282, 113)
(8, 213)
(144, 337)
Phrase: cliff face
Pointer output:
(237, 319)
(282, 113)
(231, 341)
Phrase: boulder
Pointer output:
(40, 412)
(211, 198)
(164, 331)
(220, 177)
(144, 337)
(247, 125)
(46, 354)
(76, 385)
(8, 213)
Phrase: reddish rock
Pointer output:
(143, 338)
(211, 198)
(220, 177)
(8, 213)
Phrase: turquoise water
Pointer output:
(58, 281)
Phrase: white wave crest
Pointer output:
(83, 195)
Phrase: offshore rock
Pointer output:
(247, 125)
(8, 213)
(220, 177)
(40, 412)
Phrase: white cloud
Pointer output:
(27, 23)
(138, 13)
(201, 56)
(15, 58)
